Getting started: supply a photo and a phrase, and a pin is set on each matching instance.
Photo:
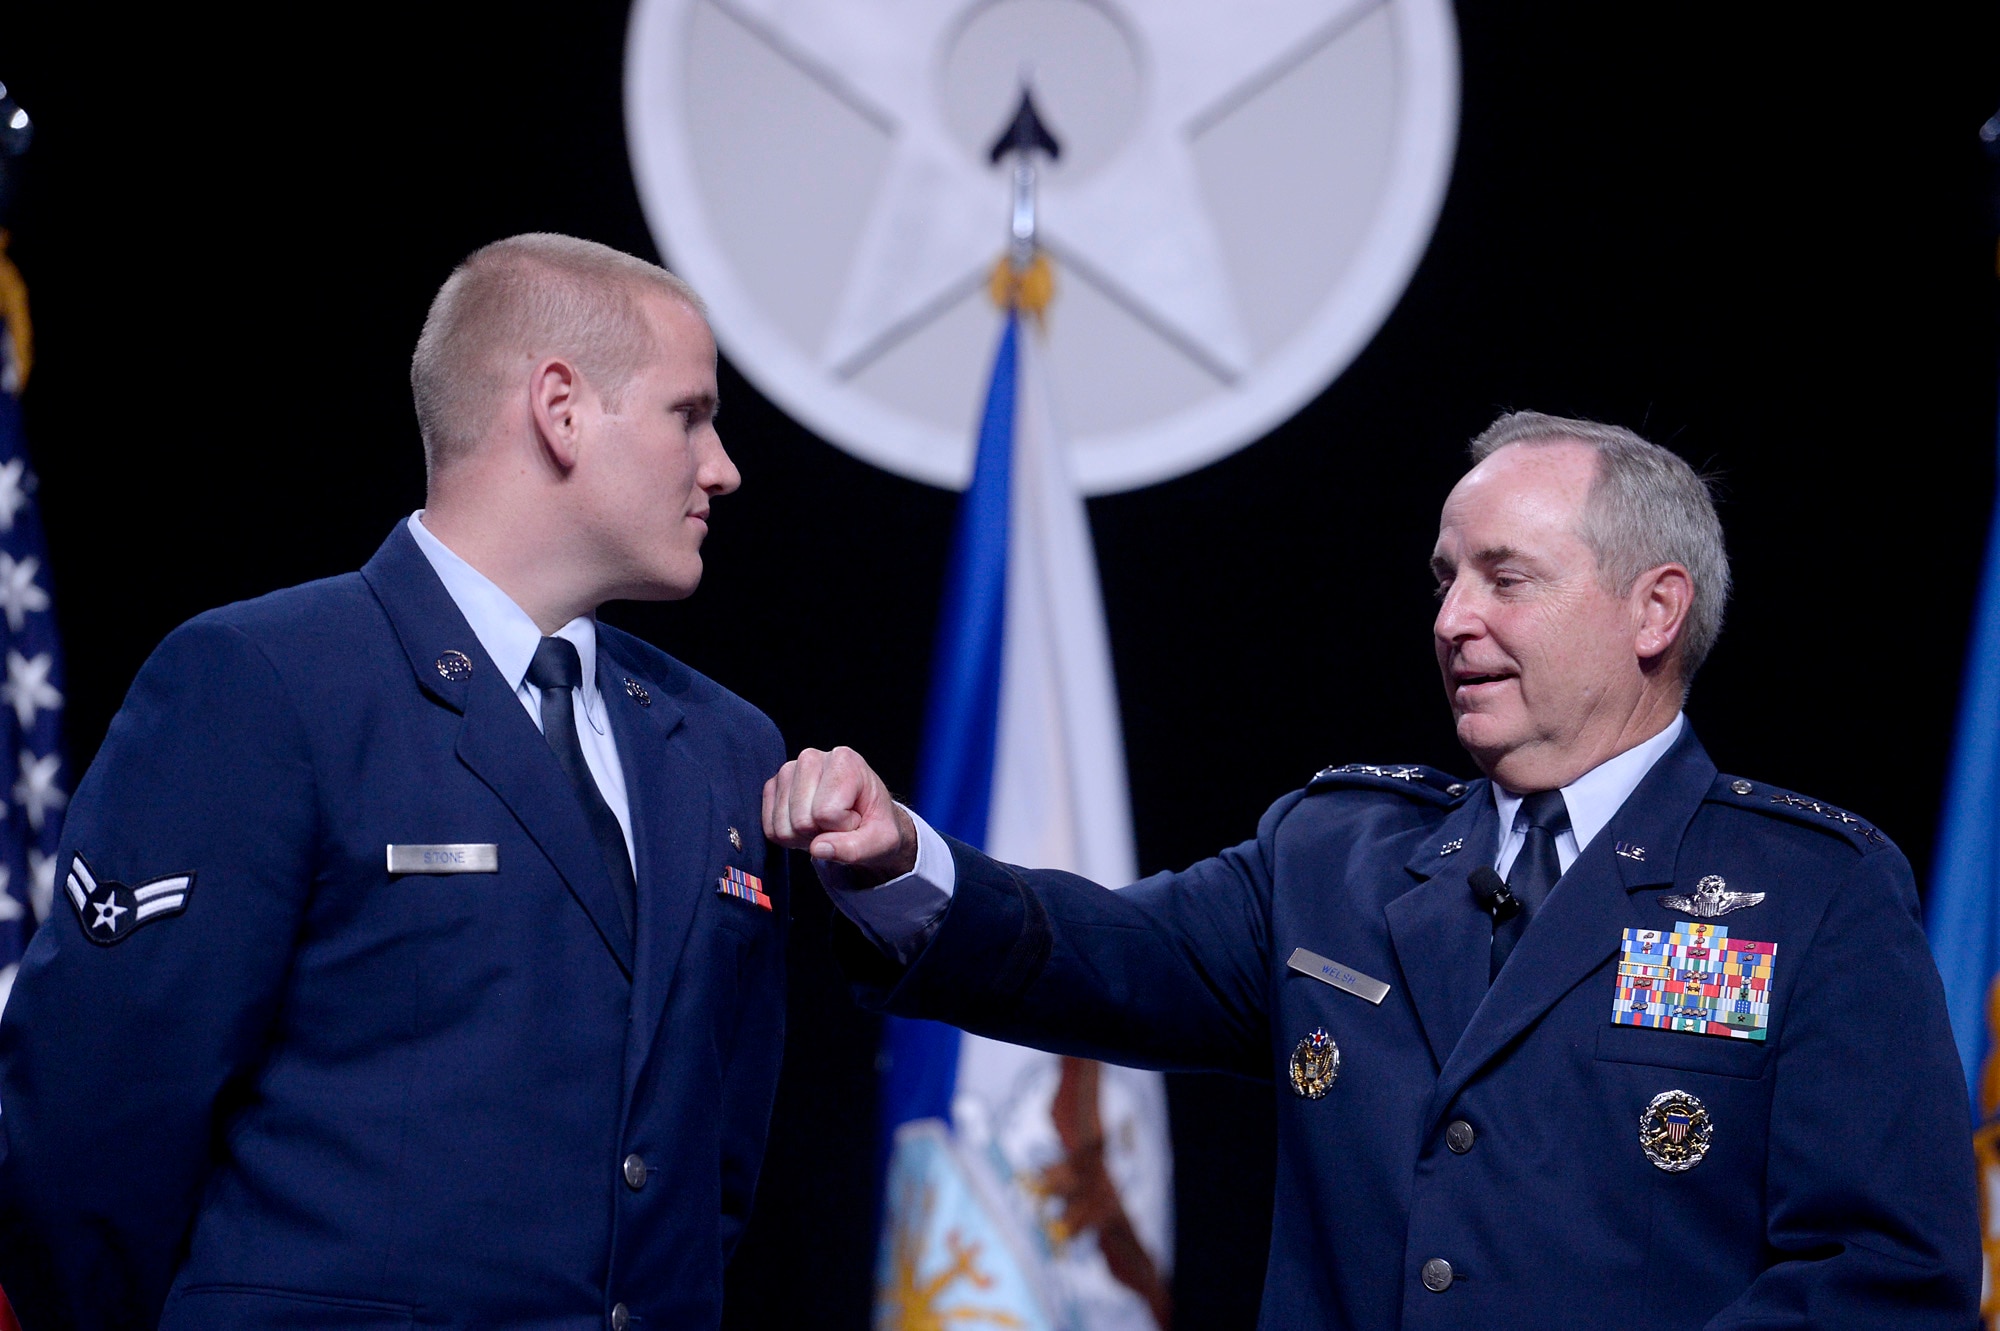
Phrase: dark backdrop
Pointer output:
(1755, 235)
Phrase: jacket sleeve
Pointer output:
(1870, 1214)
(1171, 972)
(118, 1060)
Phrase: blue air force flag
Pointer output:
(31, 789)
(1023, 756)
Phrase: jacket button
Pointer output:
(1437, 1276)
(1459, 1136)
(621, 1316)
(635, 1172)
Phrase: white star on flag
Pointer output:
(10, 907)
(36, 791)
(27, 689)
(13, 492)
(41, 883)
(19, 595)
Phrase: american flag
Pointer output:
(32, 775)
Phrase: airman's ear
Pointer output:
(555, 392)
(1662, 598)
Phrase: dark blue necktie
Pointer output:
(558, 671)
(1541, 818)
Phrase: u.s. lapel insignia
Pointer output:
(1711, 898)
(743, 886)
(110, 912)
(1315, 1064)
(455, 665)
(1696, 979)
(735, 839)
(1637, 854)
(639, 693)
(1675, 1130)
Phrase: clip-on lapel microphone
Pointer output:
(1490, 891)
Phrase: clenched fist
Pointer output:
(833, 805)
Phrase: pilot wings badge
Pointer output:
(1711, 898)
(109, 912)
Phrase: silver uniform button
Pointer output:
(621, 1316)
(1741, 787)
(1459, 1136)
(635, 1172)
(1437, 1275)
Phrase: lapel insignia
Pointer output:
(455, 665)
(1697, 979)
(1675, 1130)
(743, 886)
(1637, 854)
(1711, 898)
(1452, 846)
(639, 693)
(1315, 1064)
(109, 912)
(735, 839)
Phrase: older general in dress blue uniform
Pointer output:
(1606, 1039)
(426, 960)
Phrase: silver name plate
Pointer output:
(466, 858)
(1337, 975)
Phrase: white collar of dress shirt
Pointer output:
(1594, 798)
(503, 628)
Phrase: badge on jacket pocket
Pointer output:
(1697, 979)
(743, 886)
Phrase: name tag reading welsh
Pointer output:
(468, 857)
(1340, 977)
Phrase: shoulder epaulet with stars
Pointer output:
(1413, 779)
(1778, 803)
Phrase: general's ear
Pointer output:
(1662, 597)
(555, 395)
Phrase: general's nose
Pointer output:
(719, 475)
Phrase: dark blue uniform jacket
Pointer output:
(322, 1095)
(1837, 1190)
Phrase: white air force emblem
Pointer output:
(109, 911)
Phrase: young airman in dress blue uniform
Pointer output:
(425, 961)
(1605, 1038)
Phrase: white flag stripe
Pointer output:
(151, 890)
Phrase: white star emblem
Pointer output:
(13, 492)
(10, 906)
(19, 594)
(41, 883)
(27, 689)
(36, 791)
(107, 914)
(1137, 227)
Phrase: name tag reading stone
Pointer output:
(468, 857)
(1339, 976)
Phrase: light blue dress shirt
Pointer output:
(510, 638)
(900, 915)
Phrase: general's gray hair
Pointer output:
(1646, 507)
(520, 299)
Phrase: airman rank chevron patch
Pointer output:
(109, 912)
(1696, 978)
(743, 886)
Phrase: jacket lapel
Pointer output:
(1442, 939)
(1584, 919)
(496, 740)
(677, 831)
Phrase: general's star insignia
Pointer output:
(1711, 898)
(102, 906)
